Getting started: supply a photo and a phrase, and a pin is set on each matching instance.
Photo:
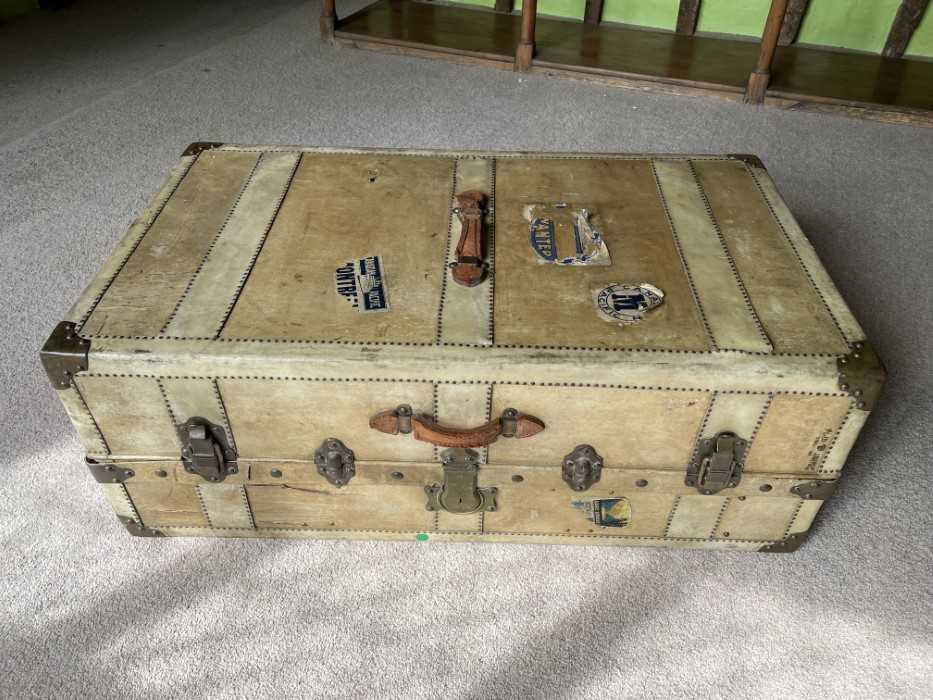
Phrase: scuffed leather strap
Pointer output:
(469, 268)
(426, 429)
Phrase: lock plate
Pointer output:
(717, 463)
(582, 468)
(335, 462)
(204, 450)
(460, 493)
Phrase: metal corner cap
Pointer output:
(200, 146)
(64, 354)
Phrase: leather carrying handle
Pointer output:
(426, 429)
(469, 269)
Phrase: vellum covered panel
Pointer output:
(546, 304)
(144, 293)
(290, 420)
(342, 208)
(794, 315)
(633, 428)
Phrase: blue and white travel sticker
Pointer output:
(362, 283)
(561, 234)
(607, 512)
(627, 303)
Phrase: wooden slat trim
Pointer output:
(687, 16)
(593, 11)
(905, 23)
(793, 18)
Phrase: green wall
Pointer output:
(861, 25)
(14, 8)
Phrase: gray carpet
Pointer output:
(96, 103)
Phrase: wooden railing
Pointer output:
(781, 28)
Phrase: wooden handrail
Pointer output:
(761, 76)
(526, 47)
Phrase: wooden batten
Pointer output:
(905, 23)
(687, 16)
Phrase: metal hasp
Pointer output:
(335, 462)
(460, 493)
(717, 463)
(64, 354)
(204, 450)
(104, 473)
(582, 468)
(815, 490)
(137, 529)
(861, 375)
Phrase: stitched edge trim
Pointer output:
(132, 506)
(729, 259)
(382, 343)
(647, 538)
(832, 445)
(207, 516)
(94, 423)
(246, 504)
(210, 248)
(439, 328)
(223, 415)
(793, 519)
(683, 260)
(670, 516)
(722, 511)
(244, 277)
(806, 270)
(390, 380)
(761, 419)
(554, 155)
(491, 253)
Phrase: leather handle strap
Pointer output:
(469, 269)
(426, 429)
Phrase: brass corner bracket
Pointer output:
(64, 354)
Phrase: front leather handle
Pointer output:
(426, 429)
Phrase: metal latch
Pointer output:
(460, 492)
(717, 463)
(204, 450)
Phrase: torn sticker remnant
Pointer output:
(362, 283)
(627, 303)
(561, 234)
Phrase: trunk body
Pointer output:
(269, 348)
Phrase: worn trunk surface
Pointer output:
(640, 305)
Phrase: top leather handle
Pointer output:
(426, 429)
(469, 269)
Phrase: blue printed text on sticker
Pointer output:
(362, 283)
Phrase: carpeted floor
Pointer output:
(96, 103)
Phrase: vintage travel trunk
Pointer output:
(516, 347)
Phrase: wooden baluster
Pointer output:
(593, 11)
(526, 47)
(905, 22)
(687, 16)
(761, 76)
(796, 9)
(328, 19)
